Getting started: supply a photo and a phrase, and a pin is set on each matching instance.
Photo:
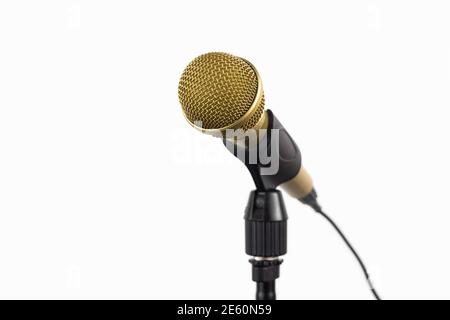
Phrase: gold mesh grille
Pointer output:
(217, 89)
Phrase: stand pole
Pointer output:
(265, 290)
(265, 239)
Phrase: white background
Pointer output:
(106, 192)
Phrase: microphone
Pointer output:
(221, 93)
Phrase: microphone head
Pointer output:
(219, 91)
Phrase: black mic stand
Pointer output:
(265, 239)
(265, 215)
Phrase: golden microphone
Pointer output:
(220, 92)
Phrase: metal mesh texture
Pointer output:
(217, 89)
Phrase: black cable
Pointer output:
(312, 202)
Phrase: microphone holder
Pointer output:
(265, 239)
(265, 215)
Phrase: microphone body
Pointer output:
(290, 174)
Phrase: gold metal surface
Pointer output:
(237, 137)
(219, 91)
(263, 122)
(299, 186)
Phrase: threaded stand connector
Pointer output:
(264, 273)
